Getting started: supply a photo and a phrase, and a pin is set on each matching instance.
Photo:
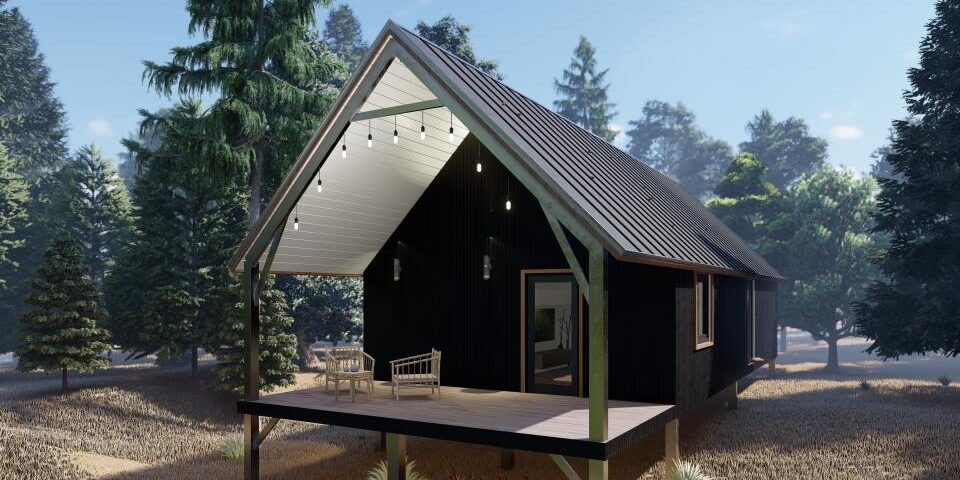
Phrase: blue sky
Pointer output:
(841, 65)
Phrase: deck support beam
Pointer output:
(251, 423)
(731, 396)
(267, 429)
(773, 367)
(565, 467)
(396, 456)
(671, 447)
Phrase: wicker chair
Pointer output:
(421, 371)
(350, 364)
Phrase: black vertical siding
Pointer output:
(441, 300)
(767, 319)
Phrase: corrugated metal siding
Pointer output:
(643, 210)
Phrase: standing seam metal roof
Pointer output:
(645, 211)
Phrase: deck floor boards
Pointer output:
(528, 421)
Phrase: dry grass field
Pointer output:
(146, 423)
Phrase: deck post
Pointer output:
(671, 447)
(396, 456)
(773, 367)
(251, 423)
(598, 357)
(731, 394)
(508, 458)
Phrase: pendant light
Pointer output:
(296, 218)
(369, 135)
(423, 129)
(450, 138)
(396, 134)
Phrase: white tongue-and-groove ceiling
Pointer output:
(366, 195)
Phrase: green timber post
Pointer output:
(251, 423)
(396, 456)
(598, 356)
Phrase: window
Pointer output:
(704, 310)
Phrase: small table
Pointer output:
(353, 377)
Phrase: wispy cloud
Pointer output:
(621, 140)
(846, 132)
(100, 127)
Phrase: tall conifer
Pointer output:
(583, 92)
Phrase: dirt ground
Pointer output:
(142, 422)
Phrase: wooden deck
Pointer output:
(524, 421)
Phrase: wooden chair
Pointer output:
(350, 364)
(421, 371)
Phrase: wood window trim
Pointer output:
(523, 323)
(697, 344)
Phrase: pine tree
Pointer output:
(90, 205)
(60, 331)
(32, 125)
(14, 197)
(171, 283)
(786, 147)
(278, 347)
(667, 138)
(255, 55)
(745, 201)
(583, 93)
(454, 37)
(343, 35)
(328, 308)
(914, 307)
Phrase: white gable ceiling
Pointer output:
(366, 195)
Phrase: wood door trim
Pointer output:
(523, 323)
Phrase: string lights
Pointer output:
(423, 129)
(319, 185)
(296, 218)
(369, 135)
(450, 137)
(396, 134)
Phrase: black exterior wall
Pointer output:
(442, 301)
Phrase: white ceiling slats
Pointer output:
(366, 195)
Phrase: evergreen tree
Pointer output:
(170, 287)
(278, 347)
(14, 197)
(32, 125)
(343, 35)
(825, 237)
(667, 138)
(583, 93)
(881, 167)
(60, 331)
(90, 205)
(256, 56)
(914, 306)
(323, 308)
(454, 37)
(745, 201)
(786, 148)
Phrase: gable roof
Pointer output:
(635, 212)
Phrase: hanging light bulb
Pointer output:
(296, 219)
(343, 152)
(423, 129)
(509, 205)
(369, 136)
(319, 185)
(479, 167)
(450, 138)
(396, 135)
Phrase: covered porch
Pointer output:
(552, 424)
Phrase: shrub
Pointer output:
(944, 380)
(233, 447)
(379, 472)
(683, 470)
(864, 385)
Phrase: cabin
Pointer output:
(581, 300)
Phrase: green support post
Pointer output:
(598, 357)
(251, 423)
(396, 456)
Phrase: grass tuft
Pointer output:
(233, 448)
(684, 470)
(379, 471)
(944, 380)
